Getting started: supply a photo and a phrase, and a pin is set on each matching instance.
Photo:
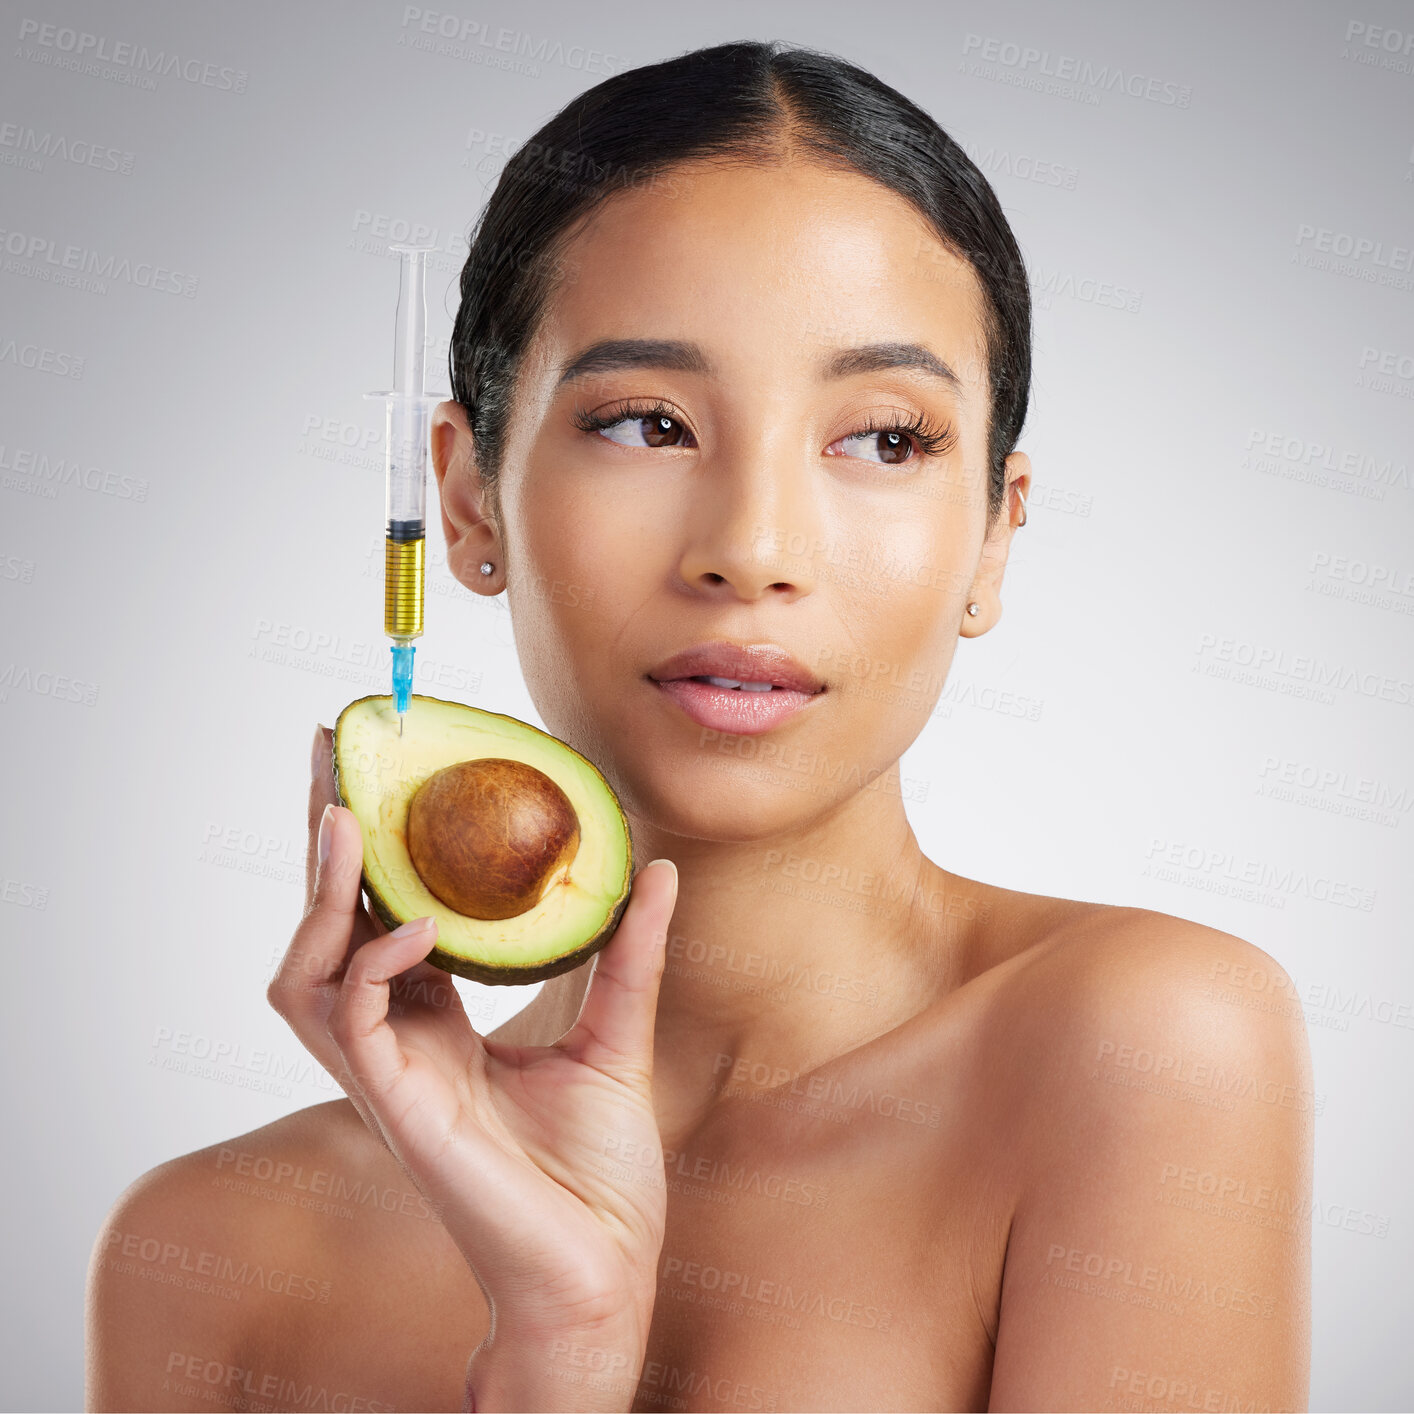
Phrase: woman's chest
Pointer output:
(837, 1256)
(810, 1269)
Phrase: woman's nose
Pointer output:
(754, 530)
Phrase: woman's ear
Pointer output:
(472, 535)
(986, 590)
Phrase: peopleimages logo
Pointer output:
(1029, 67)
(1173, 859)
(445, 32)
(60, 47)
(23, 146)
(1302, 458)
(42, 257)
(1294, 674)
(1357, 247)
(41, 473)
(1375, 44)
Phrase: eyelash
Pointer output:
(629, 412)
(930, 439)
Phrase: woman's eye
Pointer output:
(892, 447)
(655, 431)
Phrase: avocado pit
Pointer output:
(489, 836)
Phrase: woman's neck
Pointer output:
(788, 951)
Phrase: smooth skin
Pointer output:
(1044, 1244)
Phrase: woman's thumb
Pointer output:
(614, 1029)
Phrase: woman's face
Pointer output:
(737, 492)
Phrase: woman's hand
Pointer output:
(513, 1144)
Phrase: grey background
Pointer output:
(191, 515)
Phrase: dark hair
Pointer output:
(746, 101)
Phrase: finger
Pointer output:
(304, 988)
(425, 987)
(358, 1022)
(306, 984)
(614, 1029)
(321, 793)
(314, 962)
(412, 1115)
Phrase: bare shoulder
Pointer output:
(1105, 1002)
(1107, 977)
(212, 1269)
(1161, 1117)
(170, 1274)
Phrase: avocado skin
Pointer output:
(504, 976)
(464, 967)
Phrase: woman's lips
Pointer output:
(734, 709)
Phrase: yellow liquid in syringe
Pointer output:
(402, 587)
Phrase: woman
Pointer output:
(739, 370)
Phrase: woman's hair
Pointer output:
(749, 101)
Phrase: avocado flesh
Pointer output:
(376, 775)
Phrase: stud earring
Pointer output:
(974, 608)
(487, 567)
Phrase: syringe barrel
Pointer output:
(408, 412)
(409, 416)
(403, 586)
(408, 421)
(403, 565)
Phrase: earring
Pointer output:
(487, 567)
(1022, 521)
(974, 608)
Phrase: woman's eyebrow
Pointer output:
(683, 356)
(873, 358)
(610, 355)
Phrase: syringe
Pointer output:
(409, 411)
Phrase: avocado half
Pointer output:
(377, 775)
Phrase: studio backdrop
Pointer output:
(1200, 698)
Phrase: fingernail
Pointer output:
(415, 925)
(316, 754)
(326, 832)
(674, 868)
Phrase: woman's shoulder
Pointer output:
(217, 1256)
(250, 1187)
(1135, 1061)
(1070, 950)
(1103, 1007)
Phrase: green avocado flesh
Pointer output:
(377, 773)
